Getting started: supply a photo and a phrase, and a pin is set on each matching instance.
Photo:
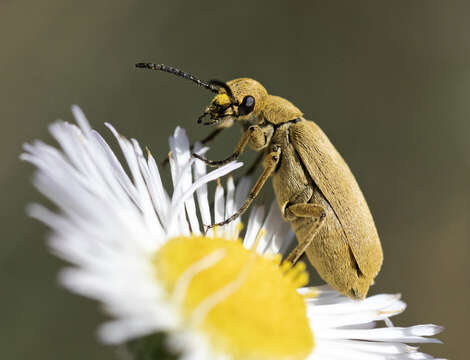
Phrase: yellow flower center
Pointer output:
(246, 303)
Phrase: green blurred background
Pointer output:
(389, 82)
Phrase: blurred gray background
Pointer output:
(389, 82)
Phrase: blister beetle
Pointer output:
(315, 189)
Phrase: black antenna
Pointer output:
(178, 72)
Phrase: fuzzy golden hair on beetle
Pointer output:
(315, 189)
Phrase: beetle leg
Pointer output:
(303, 196)
(238, 151)
(260, 137)
(204, 141)
(270, 163)
(305, 210)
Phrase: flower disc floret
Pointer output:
(257, 311)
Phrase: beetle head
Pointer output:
(237, 100)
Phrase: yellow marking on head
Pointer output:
(222, 100)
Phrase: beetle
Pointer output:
(314, 187)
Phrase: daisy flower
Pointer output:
(143, 255)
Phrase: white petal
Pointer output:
(179, 145)
(201, 192)
(219, 204)
(109, 225)
(254, 226)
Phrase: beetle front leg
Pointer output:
(257, 136)
(238, 151)
(270, 163)
(317, 214)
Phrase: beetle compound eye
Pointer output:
(247, 105)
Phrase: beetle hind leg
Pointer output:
(317, 214)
